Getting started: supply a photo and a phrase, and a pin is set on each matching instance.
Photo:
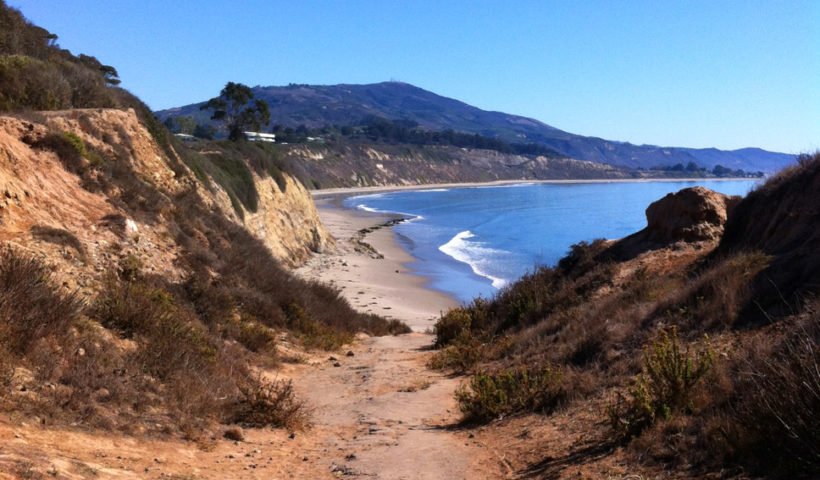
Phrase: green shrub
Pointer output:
(509, 391)
(460, 355)
(665, 385)
(255, 336)
(452, 325)
(75, 142)
(133, 306)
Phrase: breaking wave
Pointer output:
(474, 254)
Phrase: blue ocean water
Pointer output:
(472, 241)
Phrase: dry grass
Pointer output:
(30, 305)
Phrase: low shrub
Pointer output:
(493, 395)
(269, 403)
(68, 147)
(31, 305)
(133, 306)
(777, 396)
(460, 355)
(665, 385)
(255, 336)
(452, 325)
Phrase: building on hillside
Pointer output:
(185, 137)
(260, 137)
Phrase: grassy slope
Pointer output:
(628, 339)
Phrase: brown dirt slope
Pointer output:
(782, 219)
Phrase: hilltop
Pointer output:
(315, 106)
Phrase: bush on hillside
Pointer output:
(520, 390)
(664, 386)
(776, 399)
(31, 306)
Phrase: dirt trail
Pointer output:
(380, 414)
(386, 416)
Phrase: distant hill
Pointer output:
(319, 105)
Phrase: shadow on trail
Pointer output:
(551, 467)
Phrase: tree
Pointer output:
(234, 107)
(108, 72)
(204, 131)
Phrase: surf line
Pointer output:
(473, 254)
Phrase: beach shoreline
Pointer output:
(343, 192)
(373, 281)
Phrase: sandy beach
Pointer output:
(374, 285)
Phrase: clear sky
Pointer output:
(727, 74)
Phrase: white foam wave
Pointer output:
(369, 195)
(409, 216)
(473, 254)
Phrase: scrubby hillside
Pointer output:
(362, 164)
(687, 349)
(144, 286)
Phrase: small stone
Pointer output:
(337, 364)
(331, 359)
(350, 353)
(304, 459)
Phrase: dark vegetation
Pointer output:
(148, 353)
(35, 73)
(232, 107)
(380, 130)
(376, 130)
(229, 164)
(635, 337)
(692, 169)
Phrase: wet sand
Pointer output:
(384, 286)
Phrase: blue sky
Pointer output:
(727, 74)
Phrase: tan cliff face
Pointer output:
(287, 222)
(44, 208)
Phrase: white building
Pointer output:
(260, 137)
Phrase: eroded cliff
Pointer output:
(57, 207)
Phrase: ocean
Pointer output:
(472, 241)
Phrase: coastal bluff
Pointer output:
(50, 209)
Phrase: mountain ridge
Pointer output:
(346, 104)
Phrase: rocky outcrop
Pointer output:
(694, 214)
(691, 215)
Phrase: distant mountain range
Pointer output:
(319, 105)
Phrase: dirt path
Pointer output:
(386, 416)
